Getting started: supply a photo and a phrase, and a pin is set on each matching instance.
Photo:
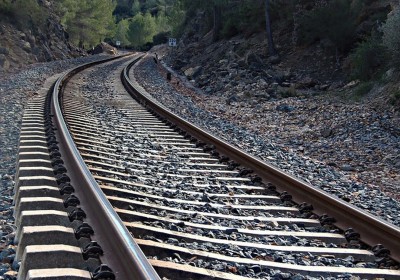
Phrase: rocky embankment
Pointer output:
(19, 48)
(318, 120)
(22, 46)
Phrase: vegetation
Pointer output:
(335, 21)
(363, 88)
(136, 23)
(395, 97)
(379, 51)
(368, 59)
(245, 16)
(236, 18)
(142, 28)
(24, 13)
(391, 37)
(87, 22)
(146, 21)
(121, 33)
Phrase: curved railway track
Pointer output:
(196, 206)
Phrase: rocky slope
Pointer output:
(239, 67)
(19, 47)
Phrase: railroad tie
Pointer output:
(47, 246)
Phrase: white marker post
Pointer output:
(172, 42)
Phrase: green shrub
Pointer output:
(283, 10)
(391, 37)
(246, 17)
(335, 21)
(121, 33)
(395, 97)
(230, 28)
(142, 29)
(5, 9)
(287, 92)
(363, 89)
(161, 38)
(24, 13)
(368, 59)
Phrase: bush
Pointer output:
(161, 38)
(335, 21)
(363, 89)
(230, 28)
(395, 98)
(142, 28)
(244, 17)
(282, 10)
(248, 16)
(121, 33)
(24, 13)
(5, 9)
(368, 59)
(391, 37)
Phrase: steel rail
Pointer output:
(127, 260)
(373, 230)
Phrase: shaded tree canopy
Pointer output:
(88, 22)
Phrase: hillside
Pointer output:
(240, 67)
(24, 42)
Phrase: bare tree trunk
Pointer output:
(217, 22)
(271, 46)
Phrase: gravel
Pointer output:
(269, 146)
(15, 91)
(262, 254)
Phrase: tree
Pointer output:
(271, 46)
(123, 9)
(135, 7)
(218, 6)
(161, 22)
(176, 17)
(335, 21)
(214, 7)
(141, 29)
(25, 13)
(88, 22)
(121, 33)
(217, 22)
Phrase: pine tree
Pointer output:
(121, 33)
(88, 22)
(142, 29)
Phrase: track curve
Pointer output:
(165, 199)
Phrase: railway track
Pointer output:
(124, 173)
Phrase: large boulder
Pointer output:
(104, 48)
(4, 63)
(26, 46)
(192, 73)
(4, 51)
